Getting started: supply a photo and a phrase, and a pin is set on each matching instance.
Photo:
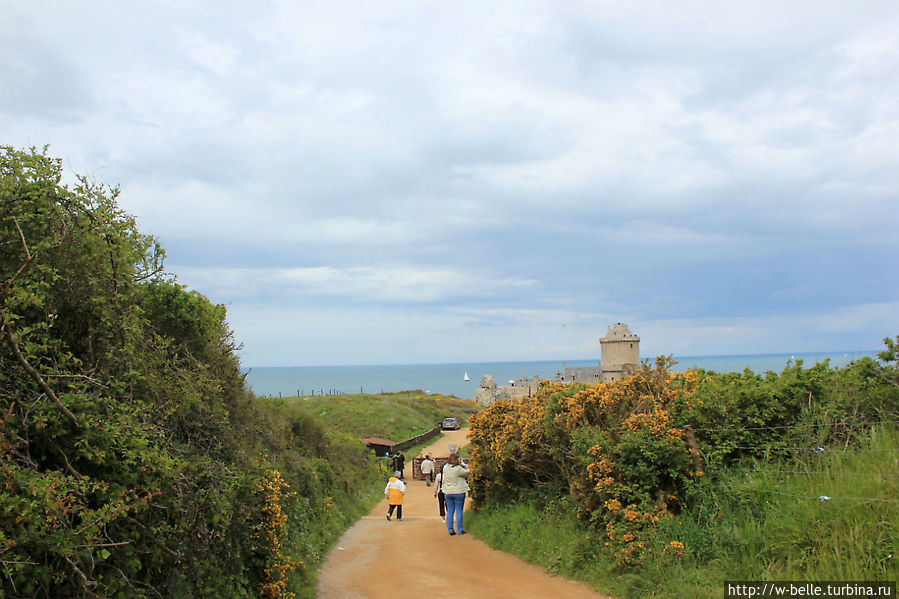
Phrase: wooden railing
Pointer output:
(416, 440)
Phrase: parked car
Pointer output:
(451, 424)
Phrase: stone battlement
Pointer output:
(618, 333)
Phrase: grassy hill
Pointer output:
(394, 416)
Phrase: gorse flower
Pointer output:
(610, 445)
(274, 492)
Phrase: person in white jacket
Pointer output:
(427, 469)
(395, 491)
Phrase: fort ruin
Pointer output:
(620, 356)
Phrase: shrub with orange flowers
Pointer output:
(619, 453)
(270, 533)
(617, 449)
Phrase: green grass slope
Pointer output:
(393, 416)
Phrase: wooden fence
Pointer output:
(438, 466)
(416, 440)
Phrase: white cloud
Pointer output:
(475, 177)
(332, 336)
(396, 284)
(853, 327)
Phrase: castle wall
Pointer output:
(620, 356)
(523, 387)
(488, 393)
(589, 375)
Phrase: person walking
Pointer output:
(455, 486)
(395, 491)
(439, 494)
(427, 469)
(399, 463)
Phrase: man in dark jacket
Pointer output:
(399, 461)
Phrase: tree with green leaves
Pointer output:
(133, 460)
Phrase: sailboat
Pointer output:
(465, 378)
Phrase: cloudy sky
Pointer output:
(413, 182)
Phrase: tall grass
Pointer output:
(761, 520)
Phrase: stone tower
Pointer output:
(620, 352)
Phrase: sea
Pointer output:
(449, 379)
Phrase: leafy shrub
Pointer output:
(620, 452)
(614, 448)
(133, 461)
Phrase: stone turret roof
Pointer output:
(618, 332)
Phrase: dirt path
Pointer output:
(416, 557)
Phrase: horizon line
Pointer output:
(677, 358)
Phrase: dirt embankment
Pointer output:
(416, 557)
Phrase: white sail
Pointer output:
(465, 378)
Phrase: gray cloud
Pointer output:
(39, 84)
(482, 174)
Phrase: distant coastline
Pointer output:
(447, 379)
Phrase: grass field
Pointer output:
(765, 520)
(393, 416)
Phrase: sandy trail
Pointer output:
(416, 557)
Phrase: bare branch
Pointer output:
(77, 376)
(22, 237)
(86, 584)
(149, 274)
(15, 276)
(28, 258)
(11, 341)
(65, 459)
(110, 544)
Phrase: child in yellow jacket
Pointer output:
(395, 490)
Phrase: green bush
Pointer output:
(616, 456)
(133, 461)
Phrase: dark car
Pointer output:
(450, 424)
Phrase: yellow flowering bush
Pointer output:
(617, 449)
(270, 534)
(620, 455)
